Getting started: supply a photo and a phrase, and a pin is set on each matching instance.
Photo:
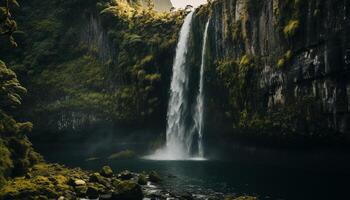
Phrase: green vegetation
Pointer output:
(16, 151)
(291, 28)
(127, 154)
(51, 181)
(117, 78)
(281, 63)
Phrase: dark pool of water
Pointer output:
(286, 176)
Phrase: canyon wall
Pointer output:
(277, 68)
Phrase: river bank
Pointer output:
(53, 181)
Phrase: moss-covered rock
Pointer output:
(128, 190)
(53, 181)
(154, 177)
(127, 154)
(106, 171)
(125, 175)
(142, 179)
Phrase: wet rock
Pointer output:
(97, 178)
(125, 175)
(79, 182)
(142, 180)
(92, 192)
(128, 190)
(106, 171)
(81, 190)
(72, 181)
(187, 196)
(105, 197)
(154, 177)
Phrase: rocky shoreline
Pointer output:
(53, 181)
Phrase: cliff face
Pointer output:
(273, 68)
(104, 65)
(277, 67)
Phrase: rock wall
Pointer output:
(278, 67)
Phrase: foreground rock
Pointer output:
(53, 181)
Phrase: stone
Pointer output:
(81, 191)
(125, 175)
(92, 192)
(97, 178)
(79, 182)
(142, 180)
(187, 196)
(154, 177)
(106, 171)
(128, 190)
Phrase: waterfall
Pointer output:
(178, 144)
(199, 109)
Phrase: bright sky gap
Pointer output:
(183, 3)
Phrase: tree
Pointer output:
(150, 5)
(7, 24)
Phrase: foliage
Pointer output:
(7, 24)
(59, 60)
(11, 90)
(15, 149)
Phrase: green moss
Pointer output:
(291, 28)
(45, 180)
(245, 60)
(282, 62)
(6, 163)
(127, 154)
(71, 73)
(128, 190)
(106, 171)
(154, 177)
(142, 180)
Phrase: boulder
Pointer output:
(128, 190)
(125, 175)
(81, 190)
(142, 180)
(79, 182)
(97, 178)
(106, 171)
(154, 177)
(92, 192)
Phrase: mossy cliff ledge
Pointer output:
(277, 69)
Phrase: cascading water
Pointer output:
(180, 135)
(178, 143)
(199, 109)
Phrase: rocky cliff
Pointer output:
(277, 68)
(102, 66)
(274, 69)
